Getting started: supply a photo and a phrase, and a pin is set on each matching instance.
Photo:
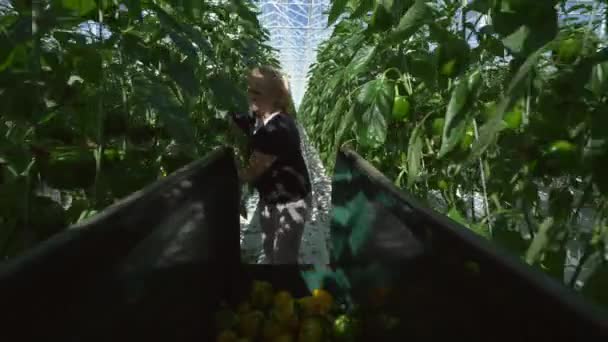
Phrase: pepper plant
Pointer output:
(99, 98)
(493, 111)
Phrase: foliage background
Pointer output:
(99, 98)
(493, 111)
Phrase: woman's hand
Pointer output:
(243, 121)
(258, 164)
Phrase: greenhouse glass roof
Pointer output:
(296, 28)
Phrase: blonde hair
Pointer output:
(273, 84)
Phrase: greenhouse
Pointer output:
(452, 157)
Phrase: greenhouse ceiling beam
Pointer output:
(293, 55)
(294, 61)
(295, 3)
(307, 28)
(285, 47)
(285, 16)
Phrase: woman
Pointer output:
(276, 167)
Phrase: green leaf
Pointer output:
(174, 116)
(345, 124)
(88, 63)
(553, 263)
(360, 60)
(600, 56)
(369, 91)
(376, 97)
(495, 47)
(17, 156)
(363, 8)
(488, 133)
(516, 41)
(134, 7)
(337, 8)
(372, 129)
(103, 4)
(456, 118)
(245, 12)
(453, 52)
(422, 65)
(412, 20)
(168, 21)
(227, 95)
(387, 5)
(599, 79)
(334, 116)
(526, 26)
(336, 80)
(70, 168)
(19, 53)
(540, 241)
(381, 18)
(179, 125)
(184, 45)
(177, 33)
(474, 82)
(414, 154)
(455, 215)
(184, 75)
(82, 7)
(478, 229)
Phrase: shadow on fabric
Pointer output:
(149, 267)
(155, 266)
(442, 279)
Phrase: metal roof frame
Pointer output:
(296, 28)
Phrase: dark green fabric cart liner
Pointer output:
(447, 281)
(155, 266)
(149, 267)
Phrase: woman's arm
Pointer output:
(244, 122)
(258, 163)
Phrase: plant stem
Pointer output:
(586, 192)
(590, 25)
(483, 181)
(36, 68)
(526, 118)
(473, 216)
(391, 69)
(99, 149)
(481, 168)
(579, 267)
(529, 223)
(587, 252)
(463, 20)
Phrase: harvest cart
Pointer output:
(156, 266)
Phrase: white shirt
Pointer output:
(260, 123)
